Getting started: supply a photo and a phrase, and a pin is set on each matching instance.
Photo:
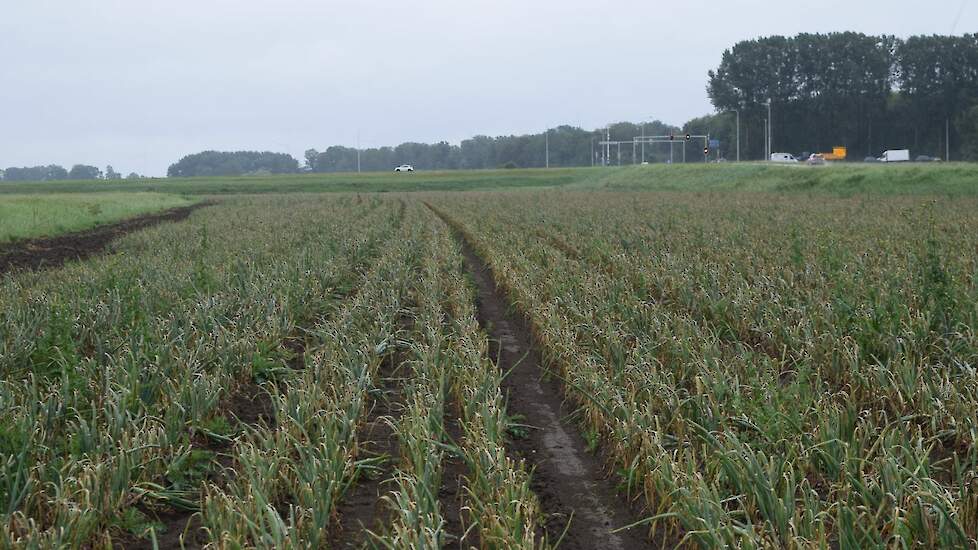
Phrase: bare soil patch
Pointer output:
(51, 252)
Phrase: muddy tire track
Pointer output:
(52, 252)
(362, 508)
(575, 494)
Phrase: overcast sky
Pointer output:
(140, 83)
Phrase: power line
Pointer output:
(957, 19)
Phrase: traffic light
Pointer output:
(687, 137)
(671, 137)
(706, 151)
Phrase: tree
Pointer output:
(111, 174)
(236, 163)
(939, 77)
(311, 157)
(35, 173)
(967, 124)
(84, 172)
(133, 176)
(866, 92)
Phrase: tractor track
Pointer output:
(53, 252)
(580, 502)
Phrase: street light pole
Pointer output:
(738, 134)
(737, 111)
(547, 154)
(770, 131)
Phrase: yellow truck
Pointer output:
(838, 153)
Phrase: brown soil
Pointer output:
(362, 508)
(181, 530)
(50, 252)
(574, 492)
(251, 404)
(296, 347)
(451, 492)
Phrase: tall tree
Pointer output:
(236, 163)
(84, 172)
(35, 173)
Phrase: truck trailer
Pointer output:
(896, 155)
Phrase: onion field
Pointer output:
(764, 371)
(512, 369)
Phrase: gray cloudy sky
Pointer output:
(140, 83)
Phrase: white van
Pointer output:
(783, 158)
(896, 155)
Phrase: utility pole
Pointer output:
(737, 111)
(547, 142)
(607, 147)
(358, 152)
(738, 134)
(767, 155)
(644, 122)
(643, 141)
(770, 131)
(947, 139)
(592, 152)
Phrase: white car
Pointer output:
(404, 168)
(783, 158)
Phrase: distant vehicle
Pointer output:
(871, 159)
(838, 153)
(645, 163)
(925, 158)
(404, 168)
(895, 155)
(785, 158)
(816, 159)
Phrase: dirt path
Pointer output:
(569, 481)
(454, 471)
(53, 252)
(363, 507)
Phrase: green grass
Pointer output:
(371, 182)
(835, 179)
(27, 216)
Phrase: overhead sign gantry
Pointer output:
(670, 139)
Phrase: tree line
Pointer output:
(567, 146)
(233, 163)
(52, 172)
(869, 93)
